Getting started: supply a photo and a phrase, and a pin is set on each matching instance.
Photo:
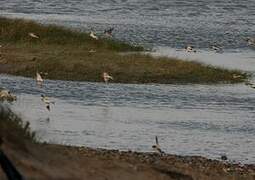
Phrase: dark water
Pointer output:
(172, 23)
(188, 119)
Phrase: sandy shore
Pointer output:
(36, 160)
(45, 161)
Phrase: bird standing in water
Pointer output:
(39, 79)
(156, 147)
(107, 77)
(216, 48)
(190, 49)
(108, 32)
(47, 102)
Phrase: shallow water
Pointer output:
(208, 120)
(188, 119)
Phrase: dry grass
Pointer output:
(65, 55)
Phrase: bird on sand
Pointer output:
(156, 147)
(108, 32)
(33, 35)
(47, 101)
(107, 77)
(93, 35)
(190, 49)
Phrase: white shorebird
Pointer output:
(190, 49)
(33, 35)
(47, 101)
(39, 78)
(108, 32)
(216, 48)
(156, 147)
(107, 77)
(92, 35)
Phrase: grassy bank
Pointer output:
(48, 161)
(66, 54)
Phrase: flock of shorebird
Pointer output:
(219, 49)
(39, 80)
(6, 94)
(107, 33)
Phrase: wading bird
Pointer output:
(39, 79)
(216, 48)
(47, 101)
(190, 49)
(156, 147)
(108, 32)
(107, 77)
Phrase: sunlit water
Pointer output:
(208, 120)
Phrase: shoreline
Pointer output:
(52, 161)
(36, 160)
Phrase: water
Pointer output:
(171, 23)
(207, 120)
(188, 119)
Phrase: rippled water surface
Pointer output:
(208, 120)
(189, 119)
(163, 22)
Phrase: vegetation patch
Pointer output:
(13, 129)
(71, 55)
